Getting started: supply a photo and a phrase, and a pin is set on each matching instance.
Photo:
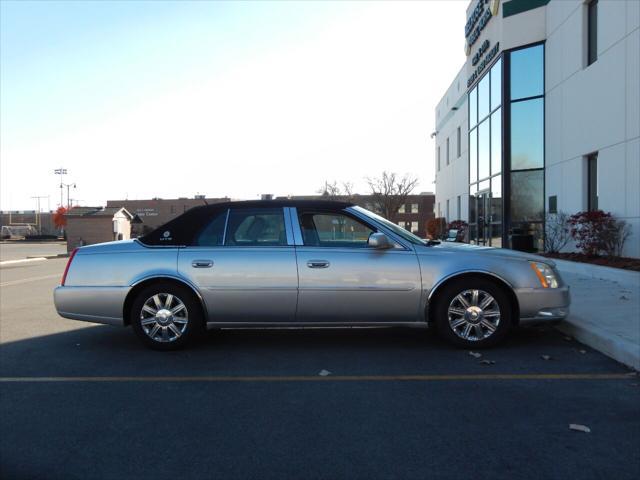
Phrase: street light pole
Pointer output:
(68, 185)
(62, 172)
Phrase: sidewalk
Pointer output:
(605, 310)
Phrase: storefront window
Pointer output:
(496, 85)
(473, 108)
(483, 150)
(527, 134)
(473, 156)
(483, 98)
(527, 72)
(496, 142)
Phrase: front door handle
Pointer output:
(317, 264)
(202, 263)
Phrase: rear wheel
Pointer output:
(166, 316)
(473, 313)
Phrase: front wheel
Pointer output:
(473, 313)
(166, 316)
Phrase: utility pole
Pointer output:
(38, 219)
(68, 185)
(62, 172)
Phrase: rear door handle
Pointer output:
(202, 263)
(317, 264)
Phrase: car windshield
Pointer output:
(407, 235)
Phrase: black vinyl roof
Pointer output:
(183, 229)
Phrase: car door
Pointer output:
(244, 264)
(342, 279)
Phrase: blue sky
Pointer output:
(141, 99)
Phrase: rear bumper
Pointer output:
(539, 305)
(91, 304)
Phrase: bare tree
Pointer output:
(391, 191)
(333, 191)
(557, 232)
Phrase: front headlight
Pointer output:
(545, 274)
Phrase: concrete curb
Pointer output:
(613, 346)
(598, 271)
(589, 324)
(23, 260)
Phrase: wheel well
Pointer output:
(515, 307)
(133, 293)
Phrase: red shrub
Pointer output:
(591, 230)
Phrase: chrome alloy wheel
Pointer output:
(474, 315)
(164, 317)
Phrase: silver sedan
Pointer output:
(304, 263)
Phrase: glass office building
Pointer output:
(539, 104)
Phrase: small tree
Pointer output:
(60, 218)
(390, 191)
(557, 232)
(592, 231)
(616, 238)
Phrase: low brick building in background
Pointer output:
(413, 215)
(156, 211)
(89, 225)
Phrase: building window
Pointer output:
(458, 140)
(553, 204)
(592, 32)
(414, 227)
(438, 158)
(439, 210)
(458, 208)
(447, 150)
(414, 208)
(447, 217)
(402, 208)
(592, 182)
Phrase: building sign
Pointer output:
(147, 212)
(479, 18)
(482, 62)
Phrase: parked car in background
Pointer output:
(301, 263)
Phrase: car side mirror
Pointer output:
(379, 241)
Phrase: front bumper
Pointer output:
(91, 304)
(543, 304)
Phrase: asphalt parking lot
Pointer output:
(88, 401)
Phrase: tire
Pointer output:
(180, 321)
(473, 320)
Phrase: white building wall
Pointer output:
(594, 108)
(453, 180)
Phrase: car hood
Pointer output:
(465, 248)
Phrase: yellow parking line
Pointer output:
(330, 378)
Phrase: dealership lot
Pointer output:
(88, 401)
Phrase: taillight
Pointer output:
(66, 270)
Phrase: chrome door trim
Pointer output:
(295, 226)
(307, 325)
(288, 226)
(224, 232)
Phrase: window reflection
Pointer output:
(483, 149)
(483, 97)
(527, 72)
(527, 201)
(527, 134)
(496, 142)
(496, 84)
(473, 156)
(473, 108)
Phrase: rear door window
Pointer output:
(212, 234)
(258, 227)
